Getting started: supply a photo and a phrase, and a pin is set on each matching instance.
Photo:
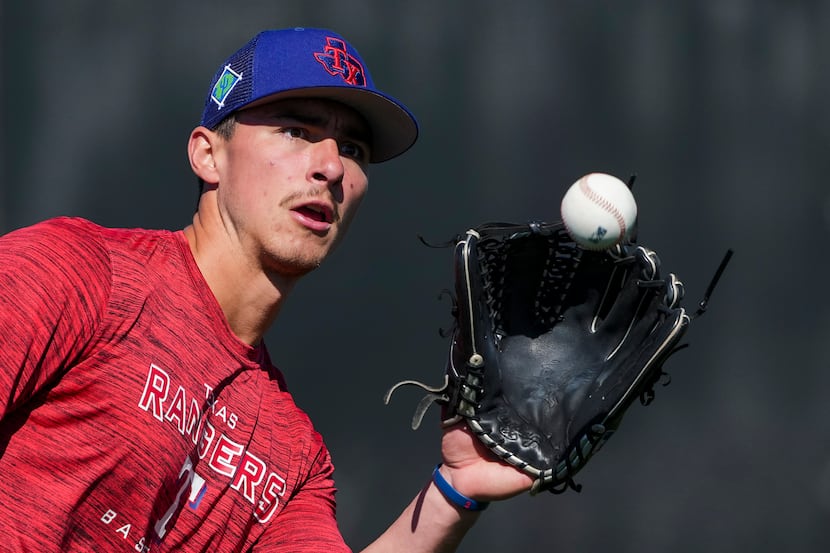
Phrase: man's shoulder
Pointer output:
(78, 229)
(63, 226)
(56, 242)
(89, 251)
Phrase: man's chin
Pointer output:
(296, 268)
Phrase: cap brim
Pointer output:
(394, 129)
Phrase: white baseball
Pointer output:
(598, 211)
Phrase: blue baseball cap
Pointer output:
(309, 63)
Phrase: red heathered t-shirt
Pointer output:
(131, 417)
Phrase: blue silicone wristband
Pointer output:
(453, 495)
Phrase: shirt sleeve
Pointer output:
(55, 278)
(307, 524)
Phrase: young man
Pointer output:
(140, 409)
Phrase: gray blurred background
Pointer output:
(720, 107)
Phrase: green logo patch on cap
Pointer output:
(227, 80)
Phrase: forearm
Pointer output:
(429, 524)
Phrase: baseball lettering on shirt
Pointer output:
(124, 531)
(248, 474)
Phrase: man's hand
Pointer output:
(472, 469)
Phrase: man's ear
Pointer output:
(201, 151)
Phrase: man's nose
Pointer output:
(327, 166)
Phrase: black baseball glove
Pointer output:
(552, 343)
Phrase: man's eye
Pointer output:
(354, 151)
(294, 132)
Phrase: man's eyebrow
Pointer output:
(348, 129)
(301, 117)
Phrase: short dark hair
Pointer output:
(226, 126)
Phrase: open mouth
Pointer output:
(316, 212)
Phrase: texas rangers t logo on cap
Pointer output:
(337, 61)
(224, 84)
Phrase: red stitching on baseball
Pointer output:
(604, 203)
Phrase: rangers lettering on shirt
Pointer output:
(247, 473)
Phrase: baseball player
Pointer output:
(139, 407)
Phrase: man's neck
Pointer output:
(249, 297)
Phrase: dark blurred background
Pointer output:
(720, 107)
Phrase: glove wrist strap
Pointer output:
(453, 495)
